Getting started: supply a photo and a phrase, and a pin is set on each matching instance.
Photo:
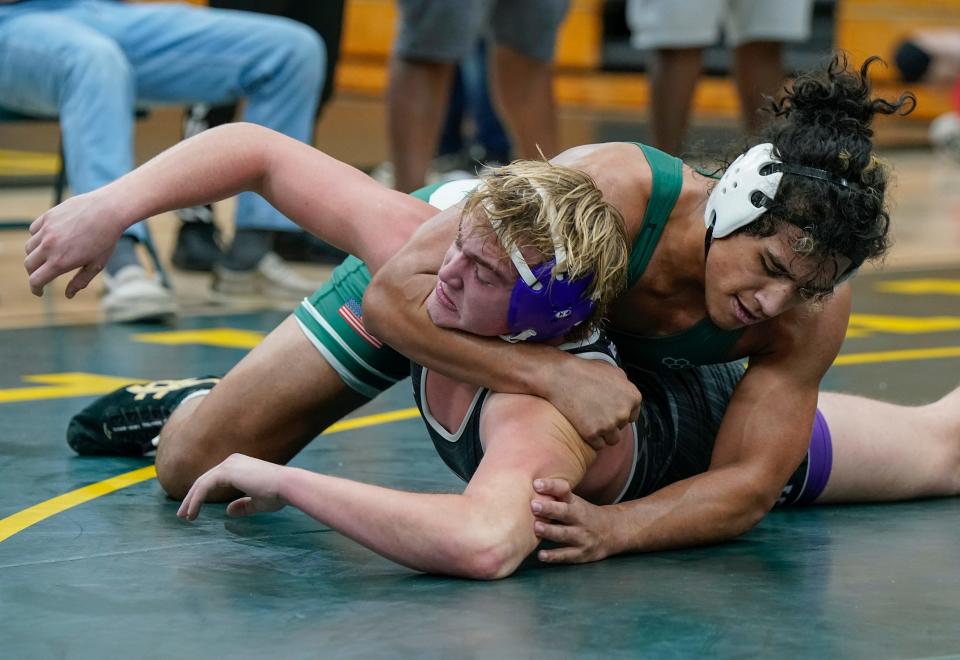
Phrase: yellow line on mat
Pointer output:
(21, 520)
(373, 420)
(898, 356)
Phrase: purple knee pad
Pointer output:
(811, 477)
(819, 461)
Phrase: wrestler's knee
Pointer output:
(182, 456)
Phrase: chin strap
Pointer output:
(708, 240)
(529, 333)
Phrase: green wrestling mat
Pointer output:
(108, 571)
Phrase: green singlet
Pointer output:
(704, 343)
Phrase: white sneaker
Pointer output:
(383, 174)
(273, 278)
(133, 295)
(945, 134)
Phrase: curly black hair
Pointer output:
(823, 121)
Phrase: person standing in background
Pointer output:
(432, 36)
(678, 32)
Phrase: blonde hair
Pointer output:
(534, 203)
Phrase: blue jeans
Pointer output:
(91, 62)
(470, 96)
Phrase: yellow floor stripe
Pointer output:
(225, 337)
(61, 386)
(373, 420)
(921, 286)
(21, 520)
(865, 324)
(898, 356)
(18, 163)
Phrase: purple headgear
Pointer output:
(547, 310)
(542, 308)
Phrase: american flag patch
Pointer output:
(353, 315)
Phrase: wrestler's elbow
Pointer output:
(487, 549)
(754, 498)
(485, 563)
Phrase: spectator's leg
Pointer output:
(416, 101)
(52, 64)
(431, 37)
(757, 29)
(523, 88)
(326, 18)
(198, 239)
(491, 136)
(673, 79)
(676, 37)
(758, 67)
(525, 34)
(294, 62)
(55, 66)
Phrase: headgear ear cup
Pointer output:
(551, 310)
(741, 194)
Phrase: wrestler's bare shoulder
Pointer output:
(620, 170)
(597, 158)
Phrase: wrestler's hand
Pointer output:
(80, 233)
(583, 530)
(259, 480)
(595, 396)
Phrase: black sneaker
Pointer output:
(305, 248)
(198, 245)
(125, 422)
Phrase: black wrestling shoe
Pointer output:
(125, 422)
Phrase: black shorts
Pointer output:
(448, 30)
(680, 417)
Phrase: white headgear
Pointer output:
(749, 185)
(734, 202)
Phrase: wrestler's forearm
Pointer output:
(398, 316)
(434, 533)
(712, 507)
(206, 168)
(325, 196)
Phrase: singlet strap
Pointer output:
(667, 173)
